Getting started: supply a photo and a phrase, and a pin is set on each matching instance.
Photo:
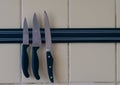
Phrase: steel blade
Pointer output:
(25, 32)
(36, 38)
(47, 32)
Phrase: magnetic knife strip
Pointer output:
(56, 35)
(64, 35)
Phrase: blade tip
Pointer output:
(34, 13)
(25, 20)
(34, 16)
(25, 23)
(45, 12)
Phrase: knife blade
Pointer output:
(25, 45)
(36, 43)
(48, 48)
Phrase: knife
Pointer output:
(25, 45)
(48, 48)
(36, 43)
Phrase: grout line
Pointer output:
(115, 63)
(68, 25)
(20, 13)
(48, 83)
(92, 82)
(115, 46)
(115, 14)
(68, 50)
(20, 45)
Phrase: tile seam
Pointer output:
(115, 45)
(68, 47)
(20, 45)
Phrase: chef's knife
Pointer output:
(36, 43)
(48, 48)
(25, 45)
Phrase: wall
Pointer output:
(75, 63)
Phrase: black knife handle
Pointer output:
(25, 60)
(50, 66)
(35, 63)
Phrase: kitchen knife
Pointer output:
(36, 43)
(48, 48)
(25, 45)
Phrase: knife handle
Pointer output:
(35, 63)
(25, 60)
(50, 66)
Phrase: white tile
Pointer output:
(92, 61)
(9, 13)
(45, 84)
(10, 53)
(118, 62)
(118, 12)
(92, 13)
(93, 84)
(9, 84)
(9, 63)
(61, 62)
(56, 9)
(57, 14)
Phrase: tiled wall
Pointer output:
(74, 63)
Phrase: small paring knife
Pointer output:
(25, 45)
(36, 43)
(48, 48)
